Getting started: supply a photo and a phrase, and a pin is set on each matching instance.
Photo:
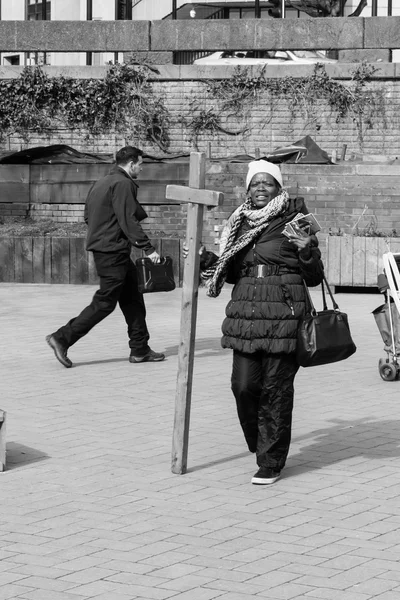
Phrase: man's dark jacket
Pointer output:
(113, 215)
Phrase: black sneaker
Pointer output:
(265, 476)
(151, 356)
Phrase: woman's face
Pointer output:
(263, 189)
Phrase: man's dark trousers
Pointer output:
(118, 284)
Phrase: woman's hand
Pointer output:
(303, 243)
(185, 250)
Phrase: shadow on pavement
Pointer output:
(18, 455)
(100, 362)
(204, 347)
(347, 439)
(218, 462)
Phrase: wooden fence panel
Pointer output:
(7, 253)
(346, 261)
(358, 261)
(23, 247)
(41, 253)
(65, 260)
(372, 260)
(78, 263)
(170, 247)
(332, 265)
(14, 183)
(60, 260)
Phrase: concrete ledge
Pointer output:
(263, 34)
(340, 33)
(382, 32)
(367, 55)
(74, 36)
(169, 72)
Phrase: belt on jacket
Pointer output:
(264, 270)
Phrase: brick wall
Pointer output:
(267, 124)
(60, 213)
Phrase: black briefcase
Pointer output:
(154, 277)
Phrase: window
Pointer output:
(35, 10)
(123, 10)
(11, 60)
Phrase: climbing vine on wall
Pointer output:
(123, 101)
(239, 95)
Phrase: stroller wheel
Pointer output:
(387, 370)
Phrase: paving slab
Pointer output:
(89, 507)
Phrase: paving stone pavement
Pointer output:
(89, 507)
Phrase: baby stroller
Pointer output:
(387, 317)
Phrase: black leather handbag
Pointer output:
(323, 337)
(155, 277)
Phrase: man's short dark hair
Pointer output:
(128, 153)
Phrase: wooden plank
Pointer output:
(332, 266)
(156, 242)
(181, 262)
(27, 264)
(170, 247)
(359, 261)
(78, 264)
(7, 253)
(23, 260)
(68, 173)
(38, 260)
(60, 193)
(154, 192)
(346, 260)
(372, 257)
(180, 441)
(14, 174)
(2, 440)
(393, 245)
(14, 183)
(47, 259)
(59, 260)
(195, 196)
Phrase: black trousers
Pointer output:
(263, 388)
(118, 284)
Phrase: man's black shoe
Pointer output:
(60, 351)
(151, 356)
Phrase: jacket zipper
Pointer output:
(287, 298)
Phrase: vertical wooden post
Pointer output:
(180, 442)
(2, 440)
(196, 198)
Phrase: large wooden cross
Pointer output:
(197, 197)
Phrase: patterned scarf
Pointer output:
(215, 276)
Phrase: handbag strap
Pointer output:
(334, 303)
(325, 306)
(313, 311)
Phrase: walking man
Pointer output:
(113, 215)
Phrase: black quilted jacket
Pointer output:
(264, 312)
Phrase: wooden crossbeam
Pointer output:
(196, 197)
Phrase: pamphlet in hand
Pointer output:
(304, 225)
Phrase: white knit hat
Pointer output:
(263, 166)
